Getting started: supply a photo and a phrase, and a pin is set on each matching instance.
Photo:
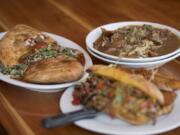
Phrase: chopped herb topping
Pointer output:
(68, 51)
(16, 71)
(48, 52)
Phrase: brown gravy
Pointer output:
(137, 42)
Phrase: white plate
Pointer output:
(52, 87)
(104, 124)
(94, 34)
(147, 65)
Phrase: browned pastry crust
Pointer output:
(58, 69)
(13, 44)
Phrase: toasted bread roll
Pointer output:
(58, 69)
(169, 97)
(142, 119)
(162, 79)
(129, 117)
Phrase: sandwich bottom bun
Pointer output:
(133, 119)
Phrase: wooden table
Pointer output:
(21, 111)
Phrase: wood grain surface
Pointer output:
(21, 110)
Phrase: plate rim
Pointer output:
(133, 63)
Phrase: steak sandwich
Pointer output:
(122, 94)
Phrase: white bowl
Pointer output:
(94, 34)
(146, 65)
(50, 87)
